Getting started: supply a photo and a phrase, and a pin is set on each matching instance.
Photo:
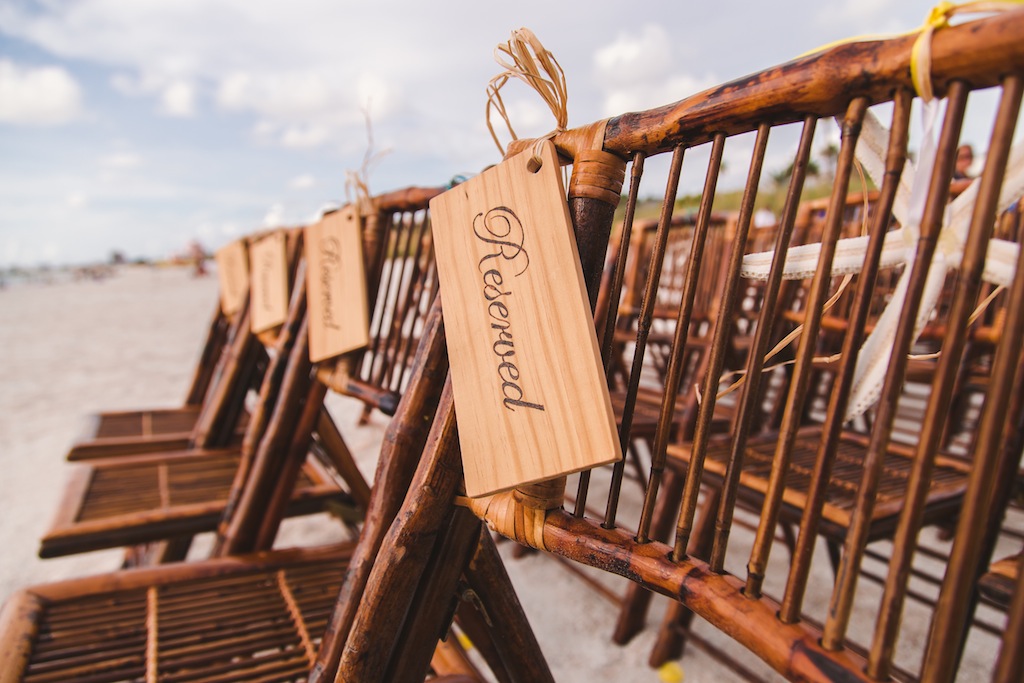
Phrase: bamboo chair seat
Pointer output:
(113, 503)
(141, 431)
(946, 488)
(246, 618)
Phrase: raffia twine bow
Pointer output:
(526, 59)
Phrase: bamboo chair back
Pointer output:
(401, 284)
(923, 481)
(151, 497)
(399, 303)
(846, 82)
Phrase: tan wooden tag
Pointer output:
(530, 393)
(268, 264)
(233, 276)
(336, 283)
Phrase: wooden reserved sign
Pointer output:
(268, 264)
(336, 283)
(233, 276)
(530, 393)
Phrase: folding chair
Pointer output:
(213, 414)
(843, 81)
(133, 499)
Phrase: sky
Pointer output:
(140, 125)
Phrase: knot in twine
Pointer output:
(938, 18)
(533, 64)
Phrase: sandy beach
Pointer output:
(130, 341)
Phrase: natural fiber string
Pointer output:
(525, 58)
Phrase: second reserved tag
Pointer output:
(268, 265)
(520, 333)
(336, 282)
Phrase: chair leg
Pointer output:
(405, 552)
(519, 657)
(835, 553)
(672, 634)
(430, 613)
(637, 600)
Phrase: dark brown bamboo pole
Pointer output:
(432, 610)
(341, 458)
(213, 346)
(229, 377)
(799, 569)
(841, 602)
(489, 587)
(404, 441)
(396, 575)
(749, 399)
(643, 324)
(287, 470)
(716, 361)
(243, 528)
(612, 306)
(723, 330)
(963, 571)
(822, 84)
(677, 362)
(263, 413)
(802, 370)
(791, 649)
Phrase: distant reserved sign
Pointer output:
(233, 276)
(520, 333)
(268, 264)
(336, 284)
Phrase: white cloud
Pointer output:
(77, 200)
(859, 16)
(637, 71)
(178, 99)
(632, 57)
(120, 161)
(274, 217)
(45, 95)
(302, 182)
(175, 96)
(304, 136)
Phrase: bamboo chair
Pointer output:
(213, 413)
(135, 499)
(842, 81)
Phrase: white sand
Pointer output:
(72, 348)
